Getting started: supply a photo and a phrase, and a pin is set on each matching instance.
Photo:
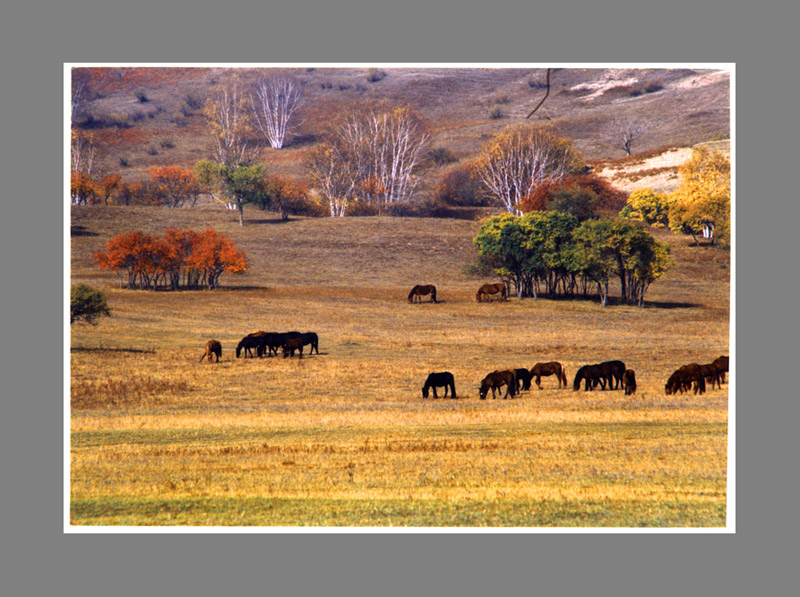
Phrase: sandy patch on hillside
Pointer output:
(702, 79)
(616, 77)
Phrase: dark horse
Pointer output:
(722, 365)
(291, 345)
(523, 379)
(613, 372)
(487, 289)
(592, 374)
(419, 290)
(312, 339)
(213, 347)
(495, 380)
(629, 382)
(683, 379)
(438, 380)
(271, 342)
(249, 342)
(552, 368)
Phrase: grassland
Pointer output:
(344, 438)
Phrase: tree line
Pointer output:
(553, 254)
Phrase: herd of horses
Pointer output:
(611, 375)
(267, 344)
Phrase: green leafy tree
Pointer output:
(235, 185)
(86, 304)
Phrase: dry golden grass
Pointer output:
(344, 437)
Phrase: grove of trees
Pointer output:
(520, 159)
(553, 254)
(180, 259)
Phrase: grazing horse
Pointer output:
(523, 379)
(711, 374)
(495, 380)
(249, 342)
(437, 380)
(487, 289)
(551, 368)
(721, 363)
(419, 290)
(272, 341)
(629, 382)
(312, 339)
(613, 372)
(683, 379)
(592, 374)
(213, 347)
(291, 345)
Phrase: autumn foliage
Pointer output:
(181, 259)
(610, 198)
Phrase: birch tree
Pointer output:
(275, 99)
(230, 124)
(517, 160)
(370, 155)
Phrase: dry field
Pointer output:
(344, 438)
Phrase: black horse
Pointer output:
(613, 372)
(437, 380)
(592, 375)
(249, 342)
(523, 379)
(312, 339)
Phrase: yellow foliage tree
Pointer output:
(704, 196)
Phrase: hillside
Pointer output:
(153, 116)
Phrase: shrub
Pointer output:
(125, 160)
(442, 156)
(579, 201)
(136, 116)
(375, 74)
(167, 142)
(141, 95)
(653, 86)
(458, 186)
(194, 100)
(86, 304)
(496, 113)
(152, 150)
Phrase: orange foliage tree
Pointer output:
(610, 198)
(81, 188)
(181, 259)
(287, 194)
(174, 184)
(107, 186)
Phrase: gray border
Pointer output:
(38, 559)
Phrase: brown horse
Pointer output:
(487, 289)
(419, 290)
(495, 380)
(683, 379)
(213, 347)
(712, 374)
(722, 365)
(291, 345)
(551, 368)
(437, 380)
(629, 382)
(523, 379)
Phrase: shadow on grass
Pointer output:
(81, 231)
(110, 349)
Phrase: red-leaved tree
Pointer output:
(181, 259)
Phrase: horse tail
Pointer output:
(563, 377)
(433, 293)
